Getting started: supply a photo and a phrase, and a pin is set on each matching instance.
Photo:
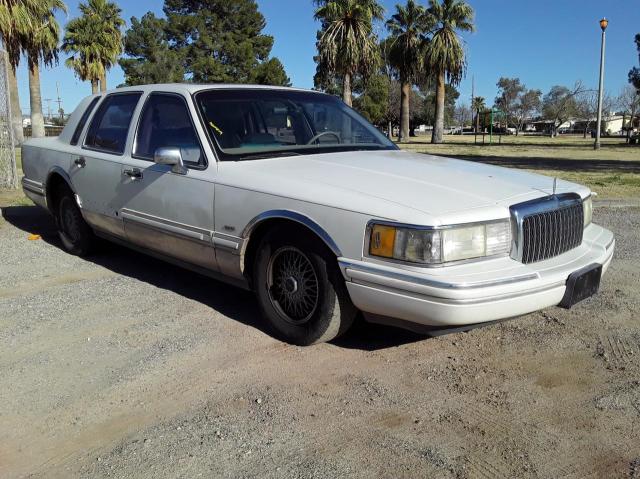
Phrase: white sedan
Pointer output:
(294, 195)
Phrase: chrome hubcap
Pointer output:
(292, 285)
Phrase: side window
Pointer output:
(109, 128)
(165, 122)
(83, 121)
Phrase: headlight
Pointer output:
(587, 209)
(434, 246)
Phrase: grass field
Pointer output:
(613, 171)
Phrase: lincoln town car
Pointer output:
(293, 195)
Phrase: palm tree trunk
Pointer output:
(94, 86)
(438, 127)
(16, 112)
(477, 121)
(405, 91)
(346, 89)
(103, 82)
(37, 120)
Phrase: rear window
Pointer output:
(83, 121)
(110, 126)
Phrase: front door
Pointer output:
(164, 211)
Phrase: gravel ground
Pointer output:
(122, 366)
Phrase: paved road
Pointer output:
(122, 366)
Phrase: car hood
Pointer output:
(430, 184)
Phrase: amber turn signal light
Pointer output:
(382, 241)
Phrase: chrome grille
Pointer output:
(547, 227)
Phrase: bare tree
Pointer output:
(629, 102)
(529, 102)
(559, 105)
(587, 107)
(463, 114)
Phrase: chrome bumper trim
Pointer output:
(350, 268)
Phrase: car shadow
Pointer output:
(235, 303)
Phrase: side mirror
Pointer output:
(170, 156)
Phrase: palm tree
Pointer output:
(445, 55)
(408, 28)
(41, 44)
(94, 41)
(16, 17)
(478, 105)
(347, 44)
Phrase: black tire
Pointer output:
(320, 316)
(75, 234)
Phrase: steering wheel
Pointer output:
(320, 135)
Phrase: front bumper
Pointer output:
(472, 293)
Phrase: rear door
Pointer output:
(96, 170)
(164, 211)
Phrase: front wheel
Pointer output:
(300, 290)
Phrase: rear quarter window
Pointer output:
(83, 120)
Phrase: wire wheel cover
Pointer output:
(292, 285)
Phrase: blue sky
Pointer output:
(544, 43)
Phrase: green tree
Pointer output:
(148, 56)
(41, 45)
(478, 105)
(408, 28)
(347, 45)
(374, 100)
(94, 41)
(271, 72)
(445, 54)
(221, 41)
(634, 74)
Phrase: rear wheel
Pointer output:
(300, 289)
(76, 235)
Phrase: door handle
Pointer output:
(80, 162)
(133, 173)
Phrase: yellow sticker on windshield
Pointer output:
(218, 130)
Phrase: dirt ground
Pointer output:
(123, 366)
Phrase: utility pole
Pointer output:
(48, 100)
(59, 102)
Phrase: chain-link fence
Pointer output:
(8, 172)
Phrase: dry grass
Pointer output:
(606, 179)
(565, 147)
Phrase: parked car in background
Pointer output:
(294, 195)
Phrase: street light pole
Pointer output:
(603, 25)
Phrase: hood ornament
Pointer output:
(555, 181)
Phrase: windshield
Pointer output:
(251, 124)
